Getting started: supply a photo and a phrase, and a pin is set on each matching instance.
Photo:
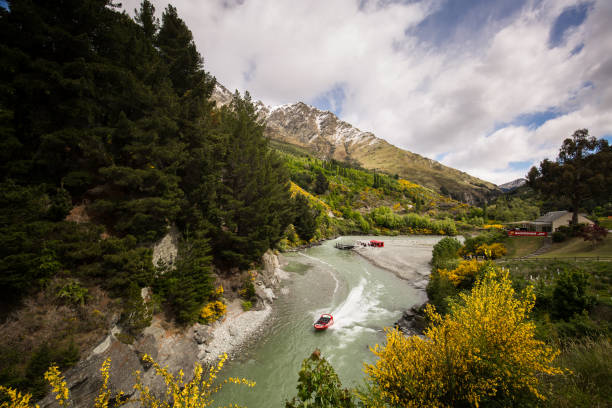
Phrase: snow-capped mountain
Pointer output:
(327, 137)
(512, 185)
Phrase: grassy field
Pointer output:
(605, 222)
(599, 272)
(578, 247)
(522, 246)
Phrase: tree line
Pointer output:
(110, 119)
(116, 114)
(580, 176)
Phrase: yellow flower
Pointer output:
(484, 347)
(213, 311)
(15, 398)
(58, 385)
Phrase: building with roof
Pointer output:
(550, 222)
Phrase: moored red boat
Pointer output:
(324, 322)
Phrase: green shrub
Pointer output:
(558, 236)
(125, 338)
(319, 386)
(248, 290)
(136, 314)
(247, 305)
(579, 326)
(441, 291)
(64, 356)
(570, 295)
(73, 293)
(445, 252)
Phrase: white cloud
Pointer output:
(430, 100)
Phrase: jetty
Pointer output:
(340, 245)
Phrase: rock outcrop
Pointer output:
(413, 321)
(166, 250)
(172, 347)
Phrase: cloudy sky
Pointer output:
(486, 86)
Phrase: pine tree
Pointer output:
(178, 50)
(254, 206)
(305, 218)
(145, 17)
(190, 284)
(321, 183)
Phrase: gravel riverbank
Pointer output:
(404, 256)
(233, 332)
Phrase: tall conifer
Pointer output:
(145, 17)
(254, 198)
(178, 50)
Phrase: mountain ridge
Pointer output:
(328, 137)
(512, 185)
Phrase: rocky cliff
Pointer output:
(176, 348)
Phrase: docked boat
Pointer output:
(325, 321)
(340, 245)
(371, 243)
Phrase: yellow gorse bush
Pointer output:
(493, 251)
(58, 385)
(104, 394)
(15, 399)
(483, 350)
(416, 189)
(213, 311)
(295, 189)
(466, 271)
(496, 226)
(196, 393)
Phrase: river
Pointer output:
(363, 299)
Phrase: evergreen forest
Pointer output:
(108, 121)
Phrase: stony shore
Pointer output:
(407, 261)
(232, 333)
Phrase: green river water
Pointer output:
(362, 298)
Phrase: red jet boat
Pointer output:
(324, 322)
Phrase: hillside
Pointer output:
(327, 137)
(347, 199)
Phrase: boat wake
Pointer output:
(357, 313)
(330, 270)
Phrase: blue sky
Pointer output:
(572, 16)
(486, 86)
(461, 20)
